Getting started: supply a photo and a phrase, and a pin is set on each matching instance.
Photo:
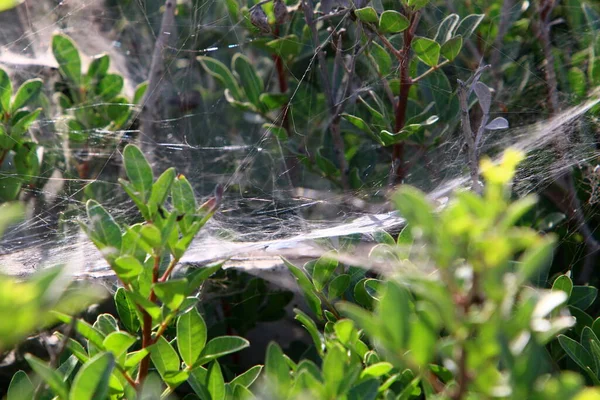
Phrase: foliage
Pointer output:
(468, 326)
(94, 110)
(19, 159)
(143, 257)
(454, 306)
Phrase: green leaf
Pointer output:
(140, 92)
(468, 25)
(5, 91)
(50, 376)
(381, 58)
(172, 292)
(376, 370)
(413, 206)
(91, 382)
(366, 390)
(197, 277)
(577, 352)
(278, 131)
(242, 393)
(20, 387)
(27, 92)
(67, 56)
(151, 235)
(161, 188)
(221, 346)
(427, 50)
(367, 14)
(563, 283)
(127, 267)
(22, 126)
(274, 101)
(251, 82)
(276, 369)
(215, 382)
(164, 357)
(362, 295)
(7, 5)
(191, 336)
(135, 357)
(312, 329)
(577, 82)
(392, 22)
(86, 330)
(446, 28)
(338, 286)
(110, 86)
(184, 199)
(418, 4)
(346, 332)
(324, 267)
(118, 343)
(583, 297)
(99, 67)
(285, 47)
(395, 309)
(362, 125)
(451, 48)
(334, 370)
(103, 229)
(219, 71)
(383, 237)
(307, 288)
(149, 306)
(138, 171)
(247, 378)
(326, 165)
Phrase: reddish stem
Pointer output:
(405, 84)
(283, 85)
(147, 325)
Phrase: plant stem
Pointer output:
(430, 71)
(146, 342)
(150, 104)
(334, 126)
(169, 269)
(147, 325)
(398, 173)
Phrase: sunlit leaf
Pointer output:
(67, 56)
(91, 382)
(392, 21)
(191, 335)
(367, 14)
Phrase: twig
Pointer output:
(503, 27)
(430, 71)
(334, 128)
(473, 139)
(150, 103)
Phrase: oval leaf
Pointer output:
(191, 336)
(138, 171)
(392, 21)
(427, 50)
(67, 56)
(91, 382)
(28, 92)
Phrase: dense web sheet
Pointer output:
(262, 216)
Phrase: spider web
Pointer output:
(262, 215)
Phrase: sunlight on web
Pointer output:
(262, 214)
